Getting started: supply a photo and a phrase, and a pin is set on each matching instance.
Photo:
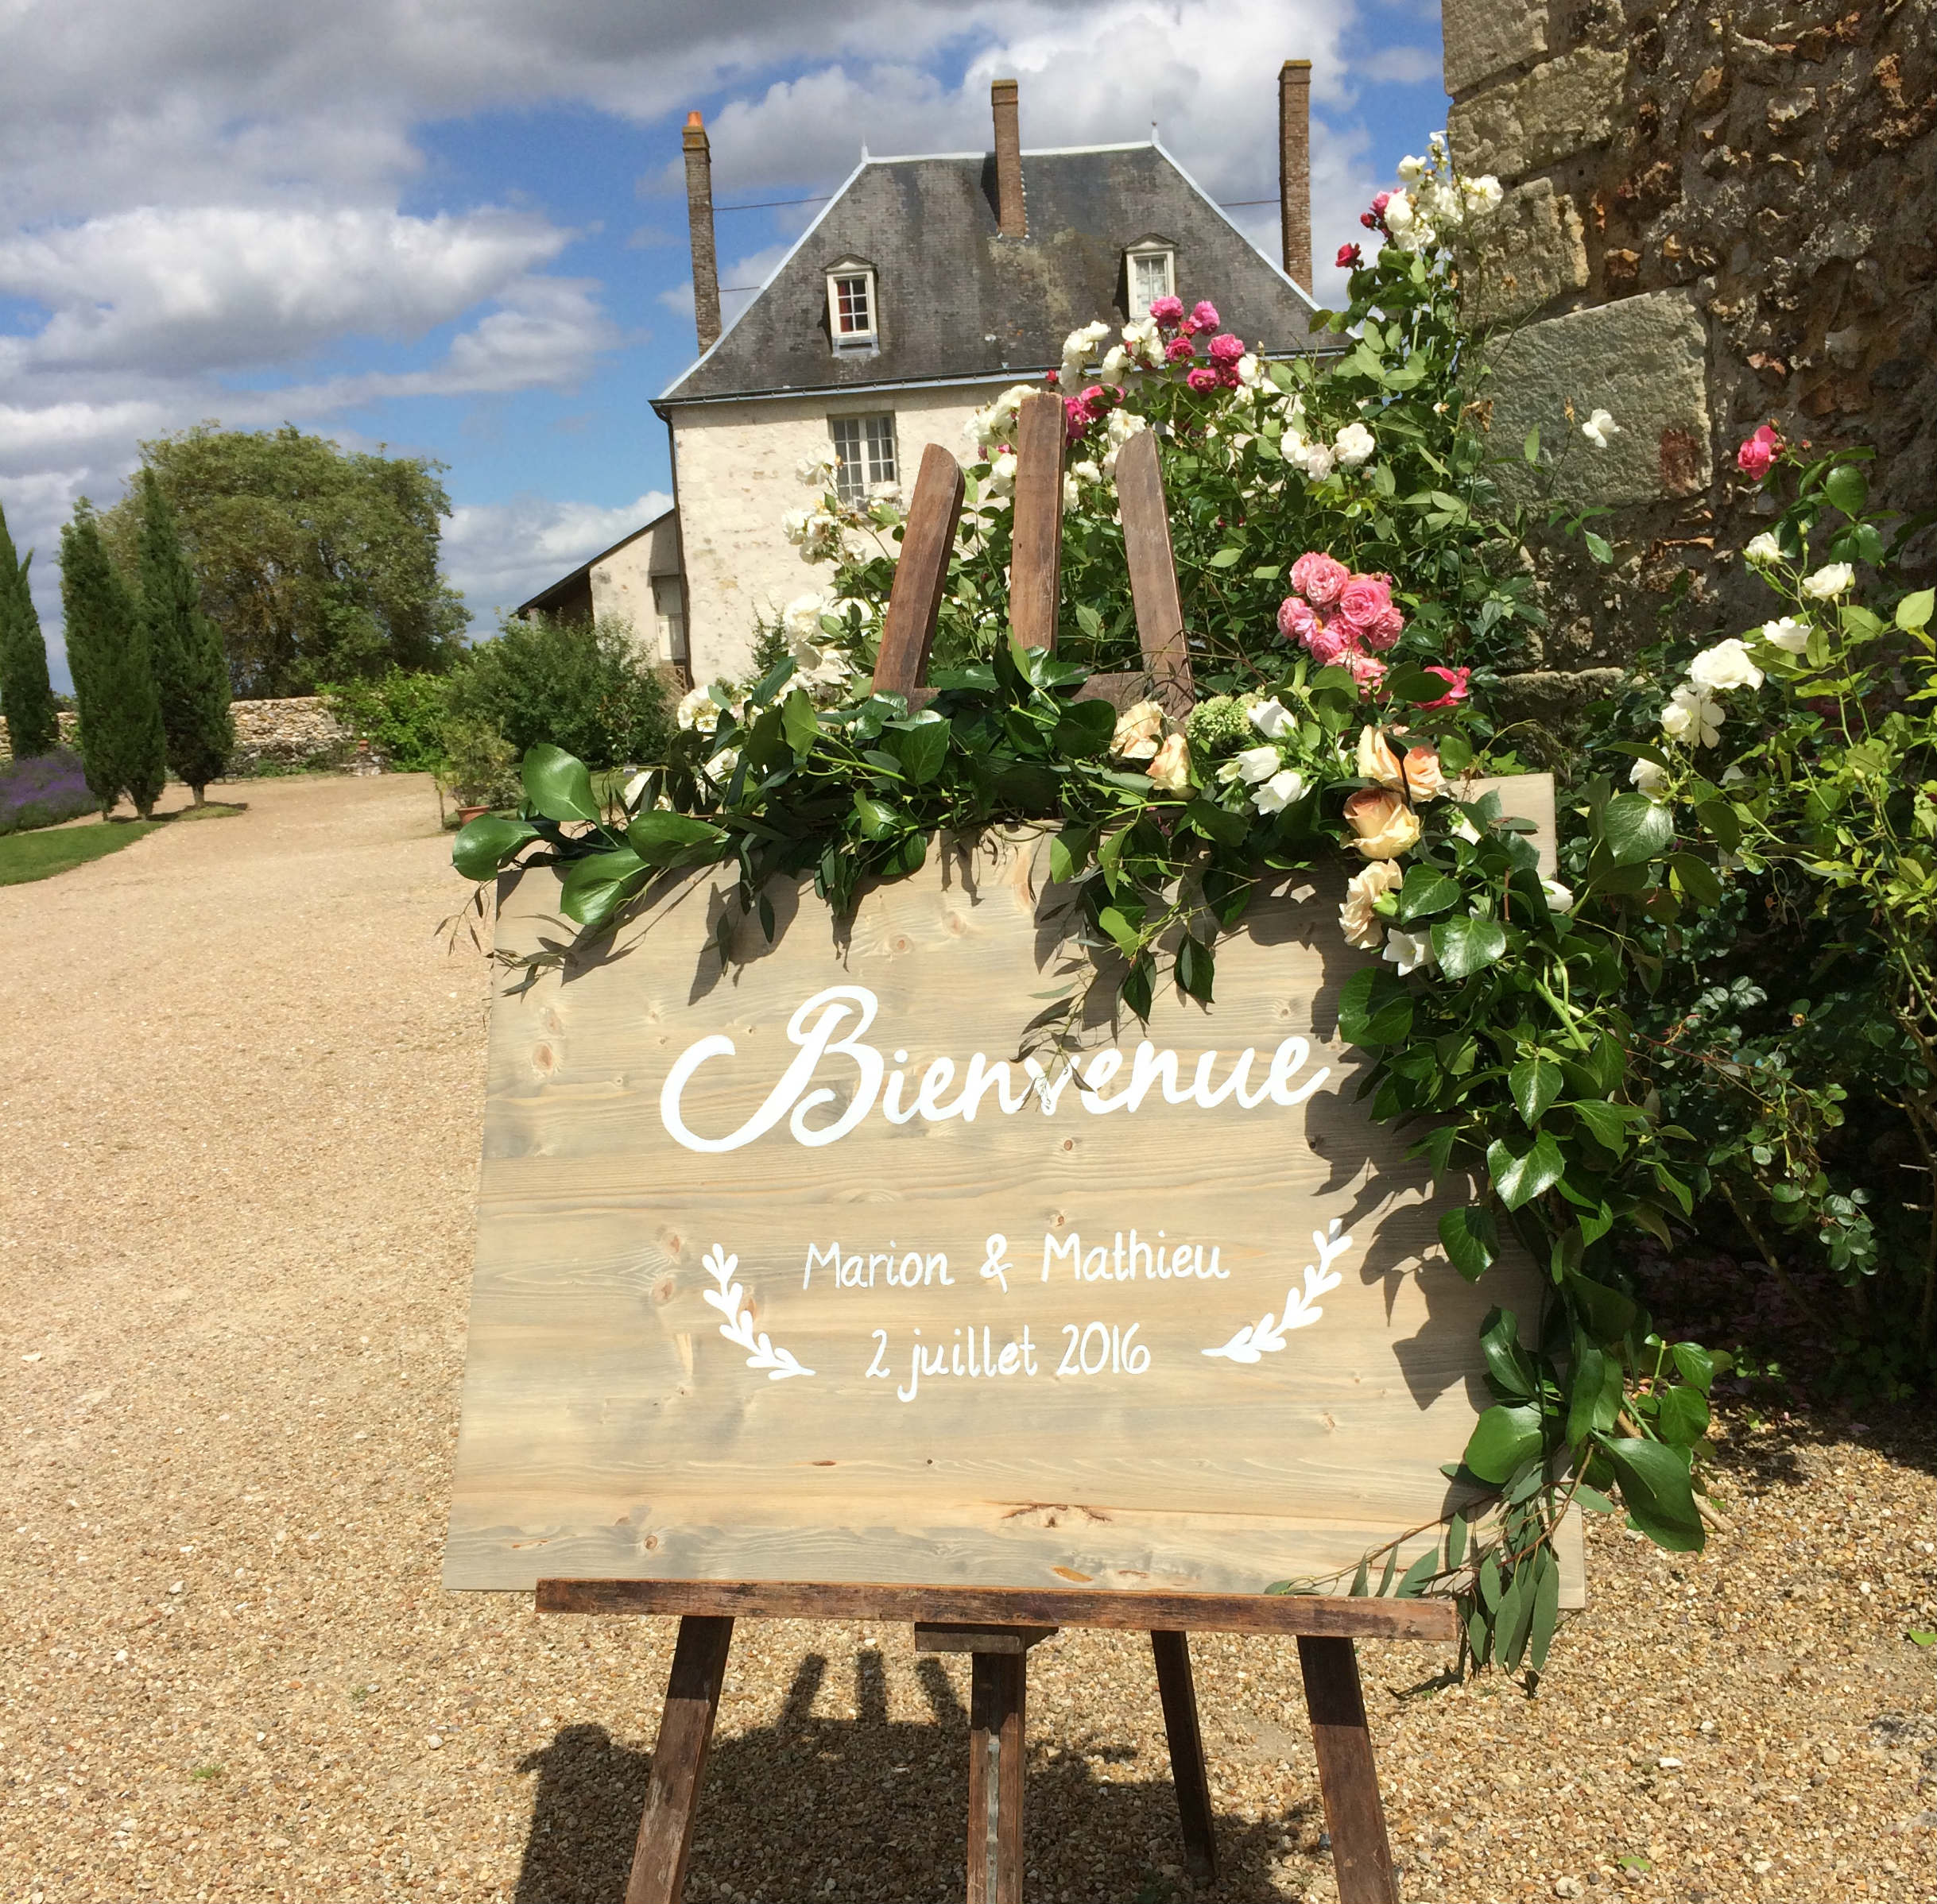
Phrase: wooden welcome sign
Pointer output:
(804, 1286)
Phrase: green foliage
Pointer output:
(315, 565)
(404, 715)
(191, 675)
(122, 739)
(26, 696)
(573, 684)
(478, 763)
(27, 856)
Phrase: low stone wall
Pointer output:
(276, 735)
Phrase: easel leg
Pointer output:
(997, 1699)
(1361, 1855)
(1172, 1650)
(679, 1760)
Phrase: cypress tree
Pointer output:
(26, 694)
(192, 672)
(123, 748)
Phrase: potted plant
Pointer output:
(480, 768)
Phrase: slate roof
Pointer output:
(957, 300)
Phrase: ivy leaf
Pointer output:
(1085, 728)
(1471, 1240)
(1594, 1396)
(1466, 945)
(921, 749)
(483, 844)
(1694, 1364)
(1636, 828)
(1535, 1083)
(1606, 1313)
(1512, 1374)
(1374, 1007)
(878, 820)
(1655, 1490)
(1502, 1438)
(1069, 853)
(1607, 1123)
(1424, 893)
(557, 783)
(800, 723)
(1521, 1176)
(1681, 1415)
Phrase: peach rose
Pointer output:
(1170, 770)
(1424, 780)
(1139, 729)
(1377, 761)
(1386, 825)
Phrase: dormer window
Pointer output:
(853, 315)
(1150, 266)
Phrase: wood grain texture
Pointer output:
(1170, 1652)
(1362, 1854)
(998, 1710)
(1036, 546)
(921, 574)
(977, 1636)
(610, 1432)
(1153, 575)
(679, 1761)
(1279, 1613)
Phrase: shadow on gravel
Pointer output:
(812, 1809)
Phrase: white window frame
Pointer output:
(1144, 254)
(846, 271)
(866, 452)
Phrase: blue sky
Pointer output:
(461, 232)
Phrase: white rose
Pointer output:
(1559, 896)
(1250, 371)
(1483, 194)
(1694, 715)
(1358, 920)
(816, 469)
(1255, 763)
(697, 709)
(1123, 425)
(1116, 364)
(1271, 718)
(1410, 951)
(1317, 461)
(1354, 444)
(1598, 427)
(1085, 471)
(1279, 792)
(1003, 473)
(1830, 581)
(1649, 777)
(1765, 550)
(801, 617)
(1788, 634)
(1398, 213)
(1412, 170)
(1725, 665)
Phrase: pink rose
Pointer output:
(1369, 220)
(1368, 671)
(1098, 399)
(1330, 644)
(1319, 578)
(1202, 378)
(1455, 679)
(1364, 603)
(1076, 416)
(1204, 315)
(1380, 201)
(1380, 634)
(1166, 312)
(1754, 458)
(1180, 350)
(1349, 258)
(1226, 349)
(1296, 620)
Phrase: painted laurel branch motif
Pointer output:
(1266, 1337)
(738, 1326)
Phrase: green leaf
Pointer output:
(1471, 1240)
(1085, 728)
(1374, 1007)
(595, 887)
(1416, 1575)
(1598, 547)
(558, 784)
(1697, 878)
(1845, 488)
(1606, 1313)
(1535, 1083)
(1455, 753)
(1520, 1177)
(1226, 558)
(1531, 448)
(1607, 1123)
(1594, 1399)
(1385, 1578)
(1546, 1610)
(879, 821)
(483, 844)
(1506, 1359)
(800, 723)
(1636, 828)
(1516, 1619)
(921, 748)
(1681, 1414)
(1118, 927)
(1724, 827)
(1213, 822)
(1196, 967)
(1914, 612)
(1069, 853)
(1359, 1581)
(1410, 681)
(1655, 1490)
(1694, 1364)
(1424, 893)
(658, 838)
(1502, 1438)
(1466, 945)
(1455, 1541)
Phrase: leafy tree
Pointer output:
(26, 696)
(190, 671)
(543, 679)
(121, 738)
(315, 565)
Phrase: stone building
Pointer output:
(925, 287)
(1719, 212)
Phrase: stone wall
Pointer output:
(1717, 215)
(273, 734)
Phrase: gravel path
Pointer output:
(239, 1126)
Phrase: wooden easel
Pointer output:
(997, 1626)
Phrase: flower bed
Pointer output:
(43, 790)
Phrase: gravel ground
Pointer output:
(239, 1120)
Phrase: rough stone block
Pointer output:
(1482, 38)
(1644, 360)
(1534, 253)
(1563, 106)
(1551, 696)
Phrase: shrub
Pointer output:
(121, 733)
(581, 686)
(478, 762)
(42, 790)
(402, 714)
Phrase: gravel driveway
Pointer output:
(238, 1134)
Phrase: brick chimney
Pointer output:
(700, 218)
(1294, 168)
(1012, 215)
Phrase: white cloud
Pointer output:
(502, 554)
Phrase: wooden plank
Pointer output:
(679, 1760)
(1191, 1776)
(997, 1701)
(1153, 574)
(977, 1636)
(1035, 545)
(1005, 1606)
(1361, 1855)
(921, 575)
